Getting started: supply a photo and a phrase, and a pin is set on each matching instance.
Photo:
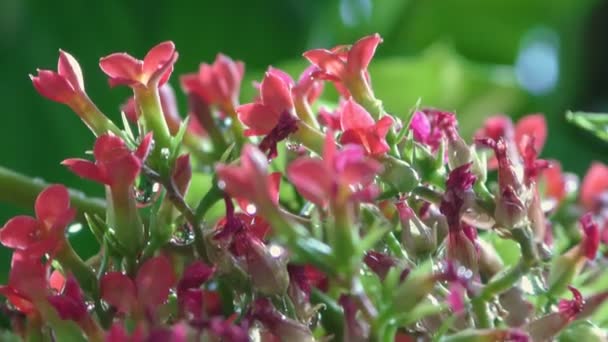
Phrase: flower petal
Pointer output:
(533, 125)
(19, 232)
(276, 91)
(157, 57)
(194, 276)
(327, 61)
(354, 116)
(311, 178)
(85, 169)
(154, 280)
(68, 67)
(144, 147)
(119, 291)
(52, 203)
(122, 68)
(361, 53)
(594, 183)
(53, 86)
(260, 118)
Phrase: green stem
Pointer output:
(332, 317)
(20, 190)
(97, 122)
(482, 314)
(149, 101)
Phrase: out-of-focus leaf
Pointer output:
(596, 123)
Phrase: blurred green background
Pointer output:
(476, 57)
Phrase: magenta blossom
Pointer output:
(342, 170)
(153, 71)
(360, 129)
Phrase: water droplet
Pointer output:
(251, 209)
(183, 235)
(74, 228)
(165, 153)
(146, 192)
(276, 251)
(221, 184)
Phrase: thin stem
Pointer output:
(71, 262)
(482, 314)
(20, 190)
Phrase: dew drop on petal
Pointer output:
(146, 192)
(74, 228)
(251, 209)
(221, 184)
(183, 235)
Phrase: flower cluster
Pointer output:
(341, 222)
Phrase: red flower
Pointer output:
(168, 104)
(341, 170)
(45, 233)
(355, 330)
(115, 164)
(154, 70)
(150, 289)
(554, 181)
(217, 84)
(275, 98)
(591, 236)
(570, 308)
(26, 282)
(193, 300)
(237, 180)
(343, 64)
(64, 86)
(282, 327)
(430, 126)
(594, 184)
(456, 200)
(533, 126)
(70, 304)
(272, 114)
(379, 263)
(360, 129)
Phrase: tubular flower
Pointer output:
(456, 200)
(147, 291)
(512, 196)
(117, 167)
(153, 71)
(360, 129)
(272, 115)
(345, 66)
(67, 86)
(342, 171)
(45, 233)
(218, 84)
(236, 180)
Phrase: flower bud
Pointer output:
(282, 327)
(265, 265)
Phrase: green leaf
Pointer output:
(596, 123)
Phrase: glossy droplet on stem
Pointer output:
(146, 192)
(183, 235)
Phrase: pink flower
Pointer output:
(554, 181)
(569, 309)
(168, 104)
(217, 84)
(236, 180)
(594, 184)
(64, 86)
(360, 129)
(272, 115)
(343, 64)
(70, 304)
(115, 164)
(591, 236)
(192, 300)
(153, 71)
(26, 282)
(45, 233)
(430, 126)
(456, 200)
(341, 170)
(150, 289)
